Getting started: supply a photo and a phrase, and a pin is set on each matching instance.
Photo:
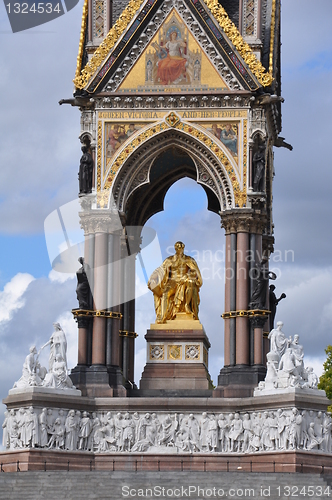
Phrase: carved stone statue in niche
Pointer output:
(175, 286)
(85, 172)
(83, 288)
(258, 162)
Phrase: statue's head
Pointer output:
(57, 326)
(280, 324)
(33, 349)
(179, 247)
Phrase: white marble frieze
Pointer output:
(161, 432)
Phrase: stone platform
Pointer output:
(178, 433)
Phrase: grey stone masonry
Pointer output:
(115, 485)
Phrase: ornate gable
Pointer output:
(133, 55)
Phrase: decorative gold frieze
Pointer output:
(99, 152)
(243, 48)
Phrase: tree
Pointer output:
(325, 380)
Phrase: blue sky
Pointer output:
(39, 161)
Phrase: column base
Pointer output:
(239, 381)
(99, 381)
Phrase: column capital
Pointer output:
(243, 221)
(100, 221)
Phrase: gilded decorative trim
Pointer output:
(82, 38)
(240, 196)
(273, 25)
(243, 313)
(80, 313)
(126, 333)
(243, 48)
(107, 44)
(99, 153)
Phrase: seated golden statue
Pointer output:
(175, 286)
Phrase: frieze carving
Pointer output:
(278, 429)
(174, 101)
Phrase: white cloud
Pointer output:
(11, 298)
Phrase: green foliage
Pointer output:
(325, 381)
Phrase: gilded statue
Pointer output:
(175, 286)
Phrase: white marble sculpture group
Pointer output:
(285, 367)
(35, 375)
(105, 432)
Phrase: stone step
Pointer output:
(120, 485)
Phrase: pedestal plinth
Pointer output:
(177, 356)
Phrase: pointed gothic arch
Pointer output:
(136, 180)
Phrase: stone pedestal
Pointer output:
(99, 381)
(239, 381)
(177, 357)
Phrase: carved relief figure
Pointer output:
(175, 286)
